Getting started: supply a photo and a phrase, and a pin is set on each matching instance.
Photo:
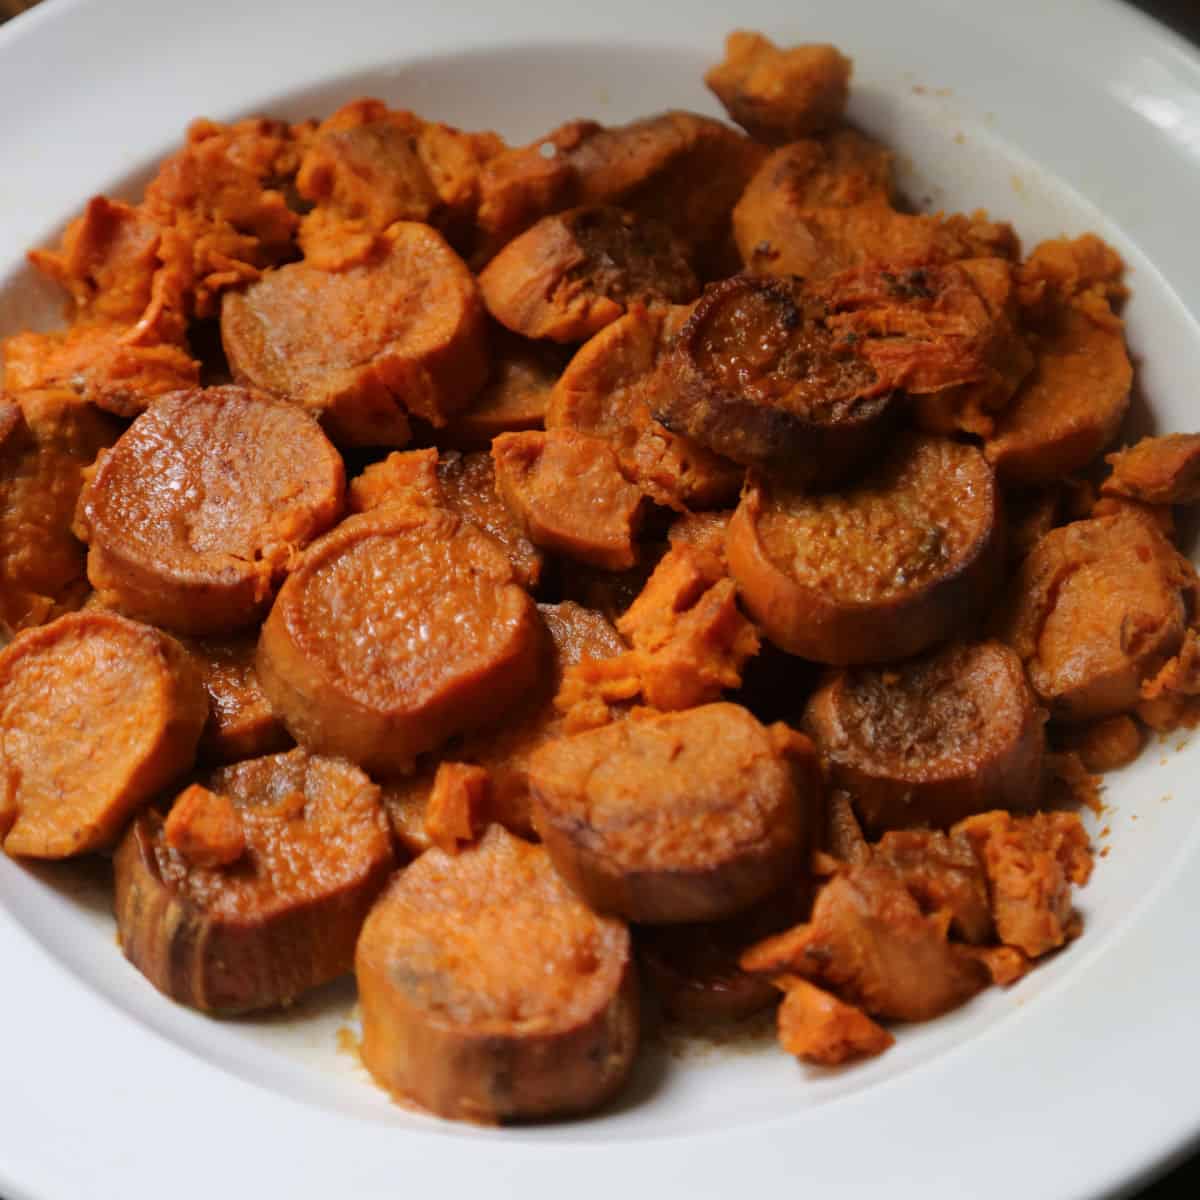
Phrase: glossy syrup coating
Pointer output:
(197, 512)
(397, 630)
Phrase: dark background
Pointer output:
(1184, 17)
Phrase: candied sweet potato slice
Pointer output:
(1158, 470)
(676, 817)
(568, 494)
(902, 560)
(490, 992)
(934, 739)
(575, 272)
(1096, 610)
(395, 631)
(195, 514)
(282, 917)
(134, 705)
(400, 333)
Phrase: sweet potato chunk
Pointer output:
(1098, 608)
(690, 643)
(778, 95)
(568, 494)
(575, 272)
(195, 514)
(1073, 402)
(1159, 470)
(405, 479)
(134, 707)
(490, 993)
(1107, 744)
(457, 810)
(400, 333)
(818, 1027)
(933, 739)
(606, 391)
(204, 828)
(871, 945)
(46, 442)
(367, 166)
(880, 571)
(395, 631)
(231, 934)
(686, 816)
(240, 721)
(1031, 864)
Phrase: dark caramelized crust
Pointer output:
(575, 272)
(934, 739)
(755, 375)
(196, 513)
(685, 816)
(904, 559)
(396, 631)
(282, 916)
(489, 992)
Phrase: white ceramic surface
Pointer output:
(1060, 115)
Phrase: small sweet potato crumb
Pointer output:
(818, 1027)
(204, 827)
(456, 814)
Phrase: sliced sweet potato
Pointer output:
(195, 514)
(400, 333)
(1158, 470)
(489, 992)
(933, 739)
(568, 494)
(395, 631)
(282, 916)
(1095, 611)
(904, 559)
(134, 706)
(575, 272)
(605, 391)
(685, 816)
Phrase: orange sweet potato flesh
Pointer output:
(568, 494)
(490, 993)
(817, 1027)
(1096, 610)
(606, 391)
(47, 440)
(575, 272)
(367, 166)
(134, 705)
(1073, 402)
(880, 571)
(675, 817)
(195, 514)
(405, 479)
(934, 739)
(871, 945)
(1158, 470)
(458, 805)
(204, 828)
(395, 631)
(1031, 864)
(400, 333)
(505, 748)
(778, 95)
(282, 917)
